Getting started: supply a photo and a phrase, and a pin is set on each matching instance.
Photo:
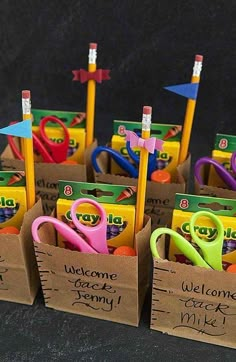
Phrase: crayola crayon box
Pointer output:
(225, 145)
(167, 159)
(225, 209)
(75, 123)
(118, 201)
(12, 198)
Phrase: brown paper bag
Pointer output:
(193, 302)
(160, 198)
(212, 190)
(101, 286)
(19, 278)
(47, 175)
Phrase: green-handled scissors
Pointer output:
(211, 250)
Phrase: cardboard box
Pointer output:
(194, 303)
(212, 190)
(19, 278)
(47, 175)
(107, 287)
(160, 198)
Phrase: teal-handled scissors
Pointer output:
(211, 250)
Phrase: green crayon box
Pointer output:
(225, 145)
(75, 123)
(13, 203)
(167, 159)
(118, 201)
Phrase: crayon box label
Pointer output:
(75, 123)
(167, 159)
(13, 204)
(225, 209)
(117, 201)
(225, 145)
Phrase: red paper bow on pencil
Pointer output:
(150, 144)
(83, 75)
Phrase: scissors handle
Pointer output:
(182, 244)
(96, 234)
(152, 163)
(221, 171)
(58, 150)
(116, 156)
(211, 250)
(68, 233)
(233, 162)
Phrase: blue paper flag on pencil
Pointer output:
(21, 129)
(188, 90)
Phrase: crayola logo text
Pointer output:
(93, 219)
(208, 232)
(160, 155)
(60, 140)
(4, 202)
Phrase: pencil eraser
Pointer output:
(26, 94)
(93, 45)
(147, 110)
(198, 58)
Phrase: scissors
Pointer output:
(211, 250)
(50, 151)
(225, 175)
(95, 242)
(127, 166)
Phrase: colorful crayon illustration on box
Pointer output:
(225, 209)
(225, 145)
(74, 122)
(12, 198)
(118, 202)
(167, 159)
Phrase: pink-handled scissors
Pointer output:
(50, 151)
(95, 236)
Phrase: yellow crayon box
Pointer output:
(167, 159)
(225, 145)
(75, 123)
(225, 209)
(118, 201)
(12, 198)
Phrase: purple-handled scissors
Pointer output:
(226, 176)
(95, 236)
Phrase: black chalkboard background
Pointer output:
(147, 45)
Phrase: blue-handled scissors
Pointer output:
(226, 176)
(93, 240)
(126, 165)
(211, 250)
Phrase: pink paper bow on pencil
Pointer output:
(150, 144)
(99, 75)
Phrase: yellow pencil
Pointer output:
(28, 152)
(189, 114)
(143, 166)
(91, 92)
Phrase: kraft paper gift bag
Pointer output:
(193, 302)
(160, 198)
(107, 287)
(212, 190)
(48, 174)
(19, 278)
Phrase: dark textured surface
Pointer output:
(147, 45)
